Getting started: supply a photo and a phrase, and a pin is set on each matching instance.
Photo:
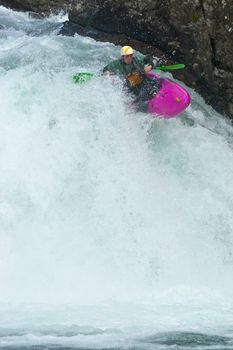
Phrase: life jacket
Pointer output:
(134, 79)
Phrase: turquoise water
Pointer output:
(116, 228)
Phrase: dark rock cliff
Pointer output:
(43, 7)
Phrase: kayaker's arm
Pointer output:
(115, 67)
(148, 62)
(148, 68)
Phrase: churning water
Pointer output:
(116, 228)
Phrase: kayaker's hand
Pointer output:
(148, 68)
(106, 73)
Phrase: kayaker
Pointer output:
(134, 69)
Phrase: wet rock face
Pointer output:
(196, 32)
(38, 6)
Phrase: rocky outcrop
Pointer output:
(196, 32)
(43, 7)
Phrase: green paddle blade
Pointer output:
(172, 67)
(81, 78)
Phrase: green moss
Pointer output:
(195, 18)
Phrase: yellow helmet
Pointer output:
(127, 50)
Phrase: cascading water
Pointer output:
(116, 228)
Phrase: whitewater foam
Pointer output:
(102, 206)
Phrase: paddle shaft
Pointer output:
(82, 77)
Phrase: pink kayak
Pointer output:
(171, 100)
